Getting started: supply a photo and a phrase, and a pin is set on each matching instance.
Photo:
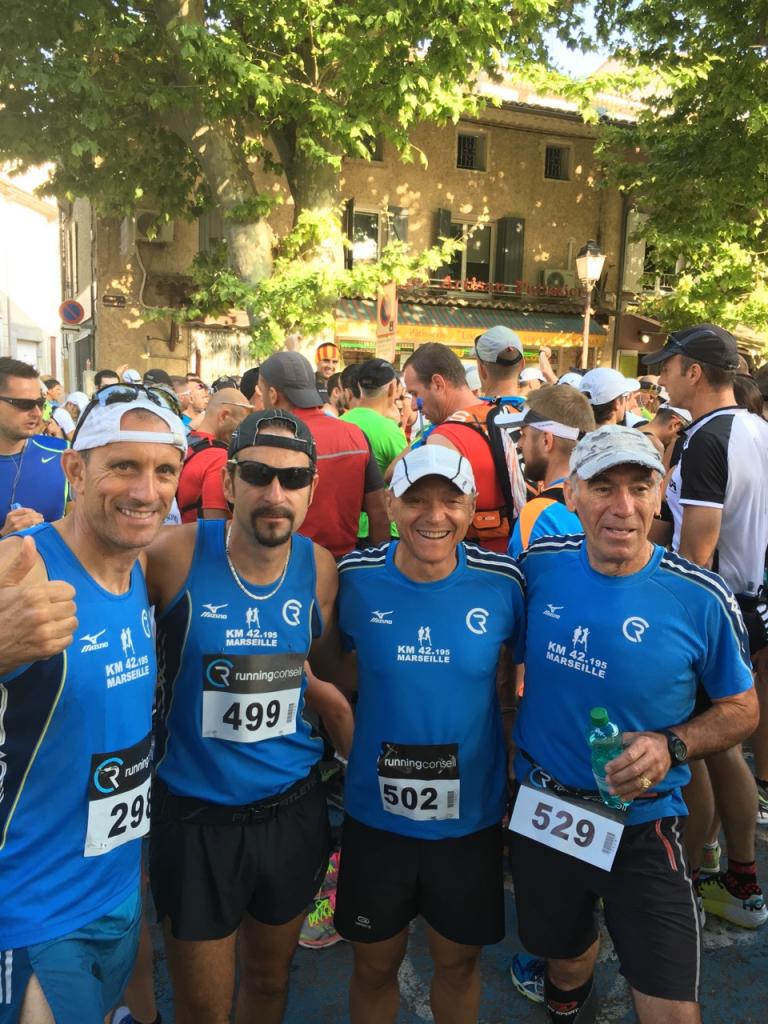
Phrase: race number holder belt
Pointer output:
(540, 778)
(199, 812)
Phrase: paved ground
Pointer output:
(734, 990)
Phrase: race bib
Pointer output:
(420, 782)
(589, 831)
(251, 697)
(118, 797)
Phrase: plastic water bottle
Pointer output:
(605, 744)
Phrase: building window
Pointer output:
(375, 146)
(472, 265)
(366, 238)
(470, 152)
(557, 163)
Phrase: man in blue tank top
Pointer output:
(428, 617)
(75, 724)
(616, 622)
(240, 835)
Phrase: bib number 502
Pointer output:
(409, 797)
(559, 823)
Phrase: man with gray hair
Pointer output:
(642, 627)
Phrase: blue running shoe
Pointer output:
(528, 976)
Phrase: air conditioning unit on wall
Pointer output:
(554, 278)
(148, 230)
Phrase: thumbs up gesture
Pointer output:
(38, 618)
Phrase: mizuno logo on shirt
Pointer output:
(552, 610)
(381, 617)
(213, 611)
(91, 642)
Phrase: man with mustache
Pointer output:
(240, 836)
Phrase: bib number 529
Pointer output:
(561, 824)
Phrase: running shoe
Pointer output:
(746, 908)
(762, 805)
(528, 976)
(710, 861)
(318, 931)
(331, 875)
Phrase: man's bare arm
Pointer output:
(375, 508)
(334, 710)
(169, 558)
(699, 533)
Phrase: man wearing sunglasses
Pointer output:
(32, 482)
(76, 724)
(240, 837)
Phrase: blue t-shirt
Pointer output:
(636, 645)
(76, 746)
(34, 478)
(428, 758)
(231, 728)
(554, 520)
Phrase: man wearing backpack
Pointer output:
(435, 375)
(201, 491)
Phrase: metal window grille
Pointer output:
(556, 163)
(470, 155)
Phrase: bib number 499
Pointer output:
(252, 715)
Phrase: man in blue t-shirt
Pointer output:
(32, 484)
(617, 622)
(428, 617)
(556, 417)
(76, 724)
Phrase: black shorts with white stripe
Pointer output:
(649, 901)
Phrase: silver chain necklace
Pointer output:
(239, 582)
(18, 463)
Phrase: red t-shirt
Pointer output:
(201, 479)
(477, 451)
(343, 455)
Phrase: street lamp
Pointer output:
(589, 267)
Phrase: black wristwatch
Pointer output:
(678, 751)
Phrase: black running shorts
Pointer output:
(210, 865)
(386, 880)
(649, 902)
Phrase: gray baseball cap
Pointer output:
(611, 446)
(499, 345)
(292, 374)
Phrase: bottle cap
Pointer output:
(598, 716)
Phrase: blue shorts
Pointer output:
(82, 974)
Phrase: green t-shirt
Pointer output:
(387, 441)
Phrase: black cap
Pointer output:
(292, 374)
(254, 431)
(157, 376)
(706, 343)
(249, 382)
(375, 373)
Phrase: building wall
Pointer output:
(30, 290)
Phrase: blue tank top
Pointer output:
(231, 728)
(75, 761)
(428, 758)
(34, 478)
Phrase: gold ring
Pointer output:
(645, 782)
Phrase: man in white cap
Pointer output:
(616, 621)
(67, 415)
(76, 727)
(609, 391)
(531, 379)
(427, 617)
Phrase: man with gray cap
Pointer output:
(617, 622)
(718, 499)
(349, 480)
(76, 725)
(427, 616)
(240, 836)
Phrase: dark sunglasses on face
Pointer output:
(24, 404)
(258, 474)
(116, 394)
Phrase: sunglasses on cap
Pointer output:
(24, 404)
(259, 474)
(117, 394)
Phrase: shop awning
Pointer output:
(458, 326)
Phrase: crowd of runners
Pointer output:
(221, 600)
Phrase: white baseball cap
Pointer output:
(499, 345)
(603, 385)
(132, 377)
(532, 373)
(78, 398)
(473, 376)
(103, 425)
(572, 379)
(432, 460)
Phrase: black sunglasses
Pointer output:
(258, 474)
(115, 394)
(25, 404)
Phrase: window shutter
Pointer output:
(510, 248)
(397, 223)
(442, 225)
(348, 227)
(210, 229)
